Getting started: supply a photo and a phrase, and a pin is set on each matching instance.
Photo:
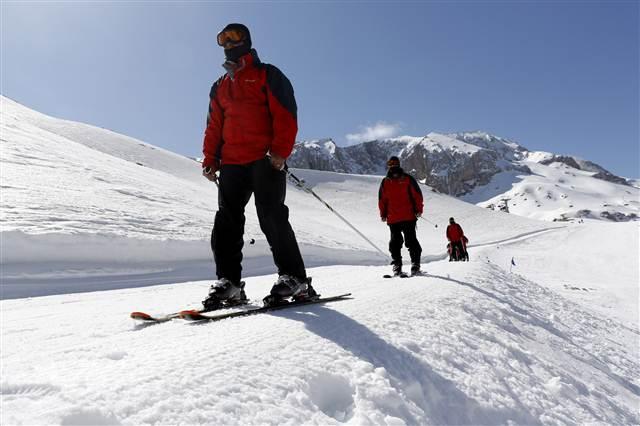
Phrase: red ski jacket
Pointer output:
(399, 199)
(251, 113)
(454, 232)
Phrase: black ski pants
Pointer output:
(457, 251)
(408, 228)
(236, 184)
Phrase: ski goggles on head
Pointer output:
(234, 36)
(393, 163)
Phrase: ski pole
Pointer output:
(300, 184)
(425, 219)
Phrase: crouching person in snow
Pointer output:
(400, 203)
(457, 246)
(251, 129)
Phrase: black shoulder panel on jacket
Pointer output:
(212, 94)
(415, 185)
(214, 87)
(281, 88)
(381, 189)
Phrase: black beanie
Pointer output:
(393, 161)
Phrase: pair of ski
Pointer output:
(405, 275)
(199, 315)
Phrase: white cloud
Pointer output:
(380, 130)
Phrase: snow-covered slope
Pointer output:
(63, 184)
(99, 139)
(66, 205)
(552, 339)
(558, 192)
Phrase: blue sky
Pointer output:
(559, 76)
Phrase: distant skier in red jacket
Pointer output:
(400, 203)
(251, 129)
(457, 241)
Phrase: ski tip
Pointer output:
(141, 316)
(190, 314)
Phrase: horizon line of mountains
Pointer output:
(453, 164)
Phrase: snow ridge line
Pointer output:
(518, 238)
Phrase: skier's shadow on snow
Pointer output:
(439, 398)
(527, 316)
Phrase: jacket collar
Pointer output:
(246, 61)
(399, 176)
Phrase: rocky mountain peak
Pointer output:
(481, 168)
(450, 163)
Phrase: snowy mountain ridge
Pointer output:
(489, 171)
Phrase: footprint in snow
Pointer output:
(333, 395)
(116, 355)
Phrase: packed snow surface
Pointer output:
(540, 327)
(468, 344)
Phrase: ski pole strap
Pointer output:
(300, 184)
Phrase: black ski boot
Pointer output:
(415, 269)
(224, 293)
(287, 286)
(309, 294)
(397, 269)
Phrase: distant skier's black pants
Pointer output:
(236, 184)
(457, 251)
(410, 240)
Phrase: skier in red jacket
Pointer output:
(400, 203)
(251, 129)
(457, 241)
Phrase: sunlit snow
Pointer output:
(540, 327)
